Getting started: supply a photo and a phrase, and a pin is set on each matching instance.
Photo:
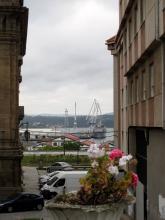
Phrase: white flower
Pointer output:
(95, 152)
(124, 159)
(122, 162)
(94, 164)
(129, 157)
(113, 170)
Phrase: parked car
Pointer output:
(44, 178)
(59, 166)
(22, 201)
(64, 181)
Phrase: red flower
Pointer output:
(115, 154)
(135, 179)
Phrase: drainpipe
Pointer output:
(163, 83)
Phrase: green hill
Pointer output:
(43, 121)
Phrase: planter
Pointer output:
(57, 211)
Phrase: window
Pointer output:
(142, 10)
(121, 9)
(60, 182)
(125, 40)
(131, 92)
(23, 198)
(56, 165)
(130, 30)
(137, 89)
(32, 196)
(143, 86)
(126, 90)
(52, 180)
(135, 20)
(151, 80)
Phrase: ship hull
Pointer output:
(99, 132)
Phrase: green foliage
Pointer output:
(33, 160)
(50, 148)
(69, 146)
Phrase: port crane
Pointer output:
(94, 116)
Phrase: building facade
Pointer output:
(13, 33)
(139, 88)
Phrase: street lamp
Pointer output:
(26, 133)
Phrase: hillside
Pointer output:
(41, 121)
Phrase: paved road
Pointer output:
(30, 185)
(22, 215)
(30, 175)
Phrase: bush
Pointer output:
(33, 160)
(69, 146)
(50, 148)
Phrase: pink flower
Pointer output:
(115, 154)
(135, 179)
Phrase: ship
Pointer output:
(98, 132)
(94, 118)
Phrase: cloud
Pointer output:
(66, 58)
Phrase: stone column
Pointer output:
(13, 32)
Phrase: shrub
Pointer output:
(33, 160)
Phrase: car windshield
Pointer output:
(52, 180)
(65, 164)
(53, 174)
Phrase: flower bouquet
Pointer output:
(109, 178)
(104, 190)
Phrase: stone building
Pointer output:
(13, 33)
(139, 88)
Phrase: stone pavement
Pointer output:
(30, 185)
(30, 180)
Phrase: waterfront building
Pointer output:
(13, 33)
(139, 98)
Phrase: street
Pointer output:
(30, 185)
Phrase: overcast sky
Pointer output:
(66, 58)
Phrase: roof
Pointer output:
(87, 142)
(72, 137)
